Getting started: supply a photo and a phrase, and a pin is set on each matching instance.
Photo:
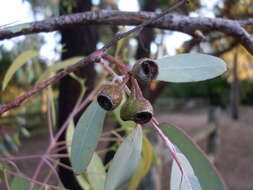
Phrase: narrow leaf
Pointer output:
(204, 170)
(81, 179)
(125, 161)
(144, 164)
(96, 173)
(17, 63)
(21, 184)
(56, 67)
(189, 182)
(190, 67)
(69, 135)
(86, 136)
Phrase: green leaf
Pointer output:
(21, 184)
(144, 164)
(86, 136)
(69, 135)
(125, 161)
(11, 142)
(3, 149)
(17, 63)
(96, 173)
(81, 179)
(204, 170)
(56, 67)
(190, 67)
(189, 182)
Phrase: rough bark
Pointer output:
(235, 90)
(171, 22)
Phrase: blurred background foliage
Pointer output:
(31, 115)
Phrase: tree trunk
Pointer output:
(235, 90)
(79, 41)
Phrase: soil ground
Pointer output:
(233, 158)
(234, 154)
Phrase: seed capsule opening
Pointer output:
(150, 69)
(105, 102)
(143, 117)
(145, 69)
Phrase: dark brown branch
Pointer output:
(148, 22)
(93, 57)
(172, 22)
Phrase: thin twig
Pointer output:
(136, 87)
(47, 178)
(49, 116)
(14, 166)
(117, 62)
(62, 164)
(35, 156)
(108, 68)
(29, 179)
(60, 143)
(59, 155)
(36, 174)
(58, 149)
(93, 57)
(117, 135)
(6, 179)
(168, 144)
(53, 170)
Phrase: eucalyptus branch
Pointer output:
(93, 57)
(174, 22)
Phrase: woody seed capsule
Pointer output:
(109, 97)
(145, 69)
(137, 109)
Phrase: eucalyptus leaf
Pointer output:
(144, 164)
(21, 184)
(58, 66)
(96, 173)
(189, 67)
(81, 179)
(86, 136)
(203, 169)
(69, 135)
(189, 180)
(17, 63)
(125, 161)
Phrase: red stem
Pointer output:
(168, 144)
(117, 62)
(58, 149)
(136, 87)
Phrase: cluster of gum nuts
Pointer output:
(136, 107)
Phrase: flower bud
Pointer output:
(137, 109)
(109, 97)
(145, 69)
